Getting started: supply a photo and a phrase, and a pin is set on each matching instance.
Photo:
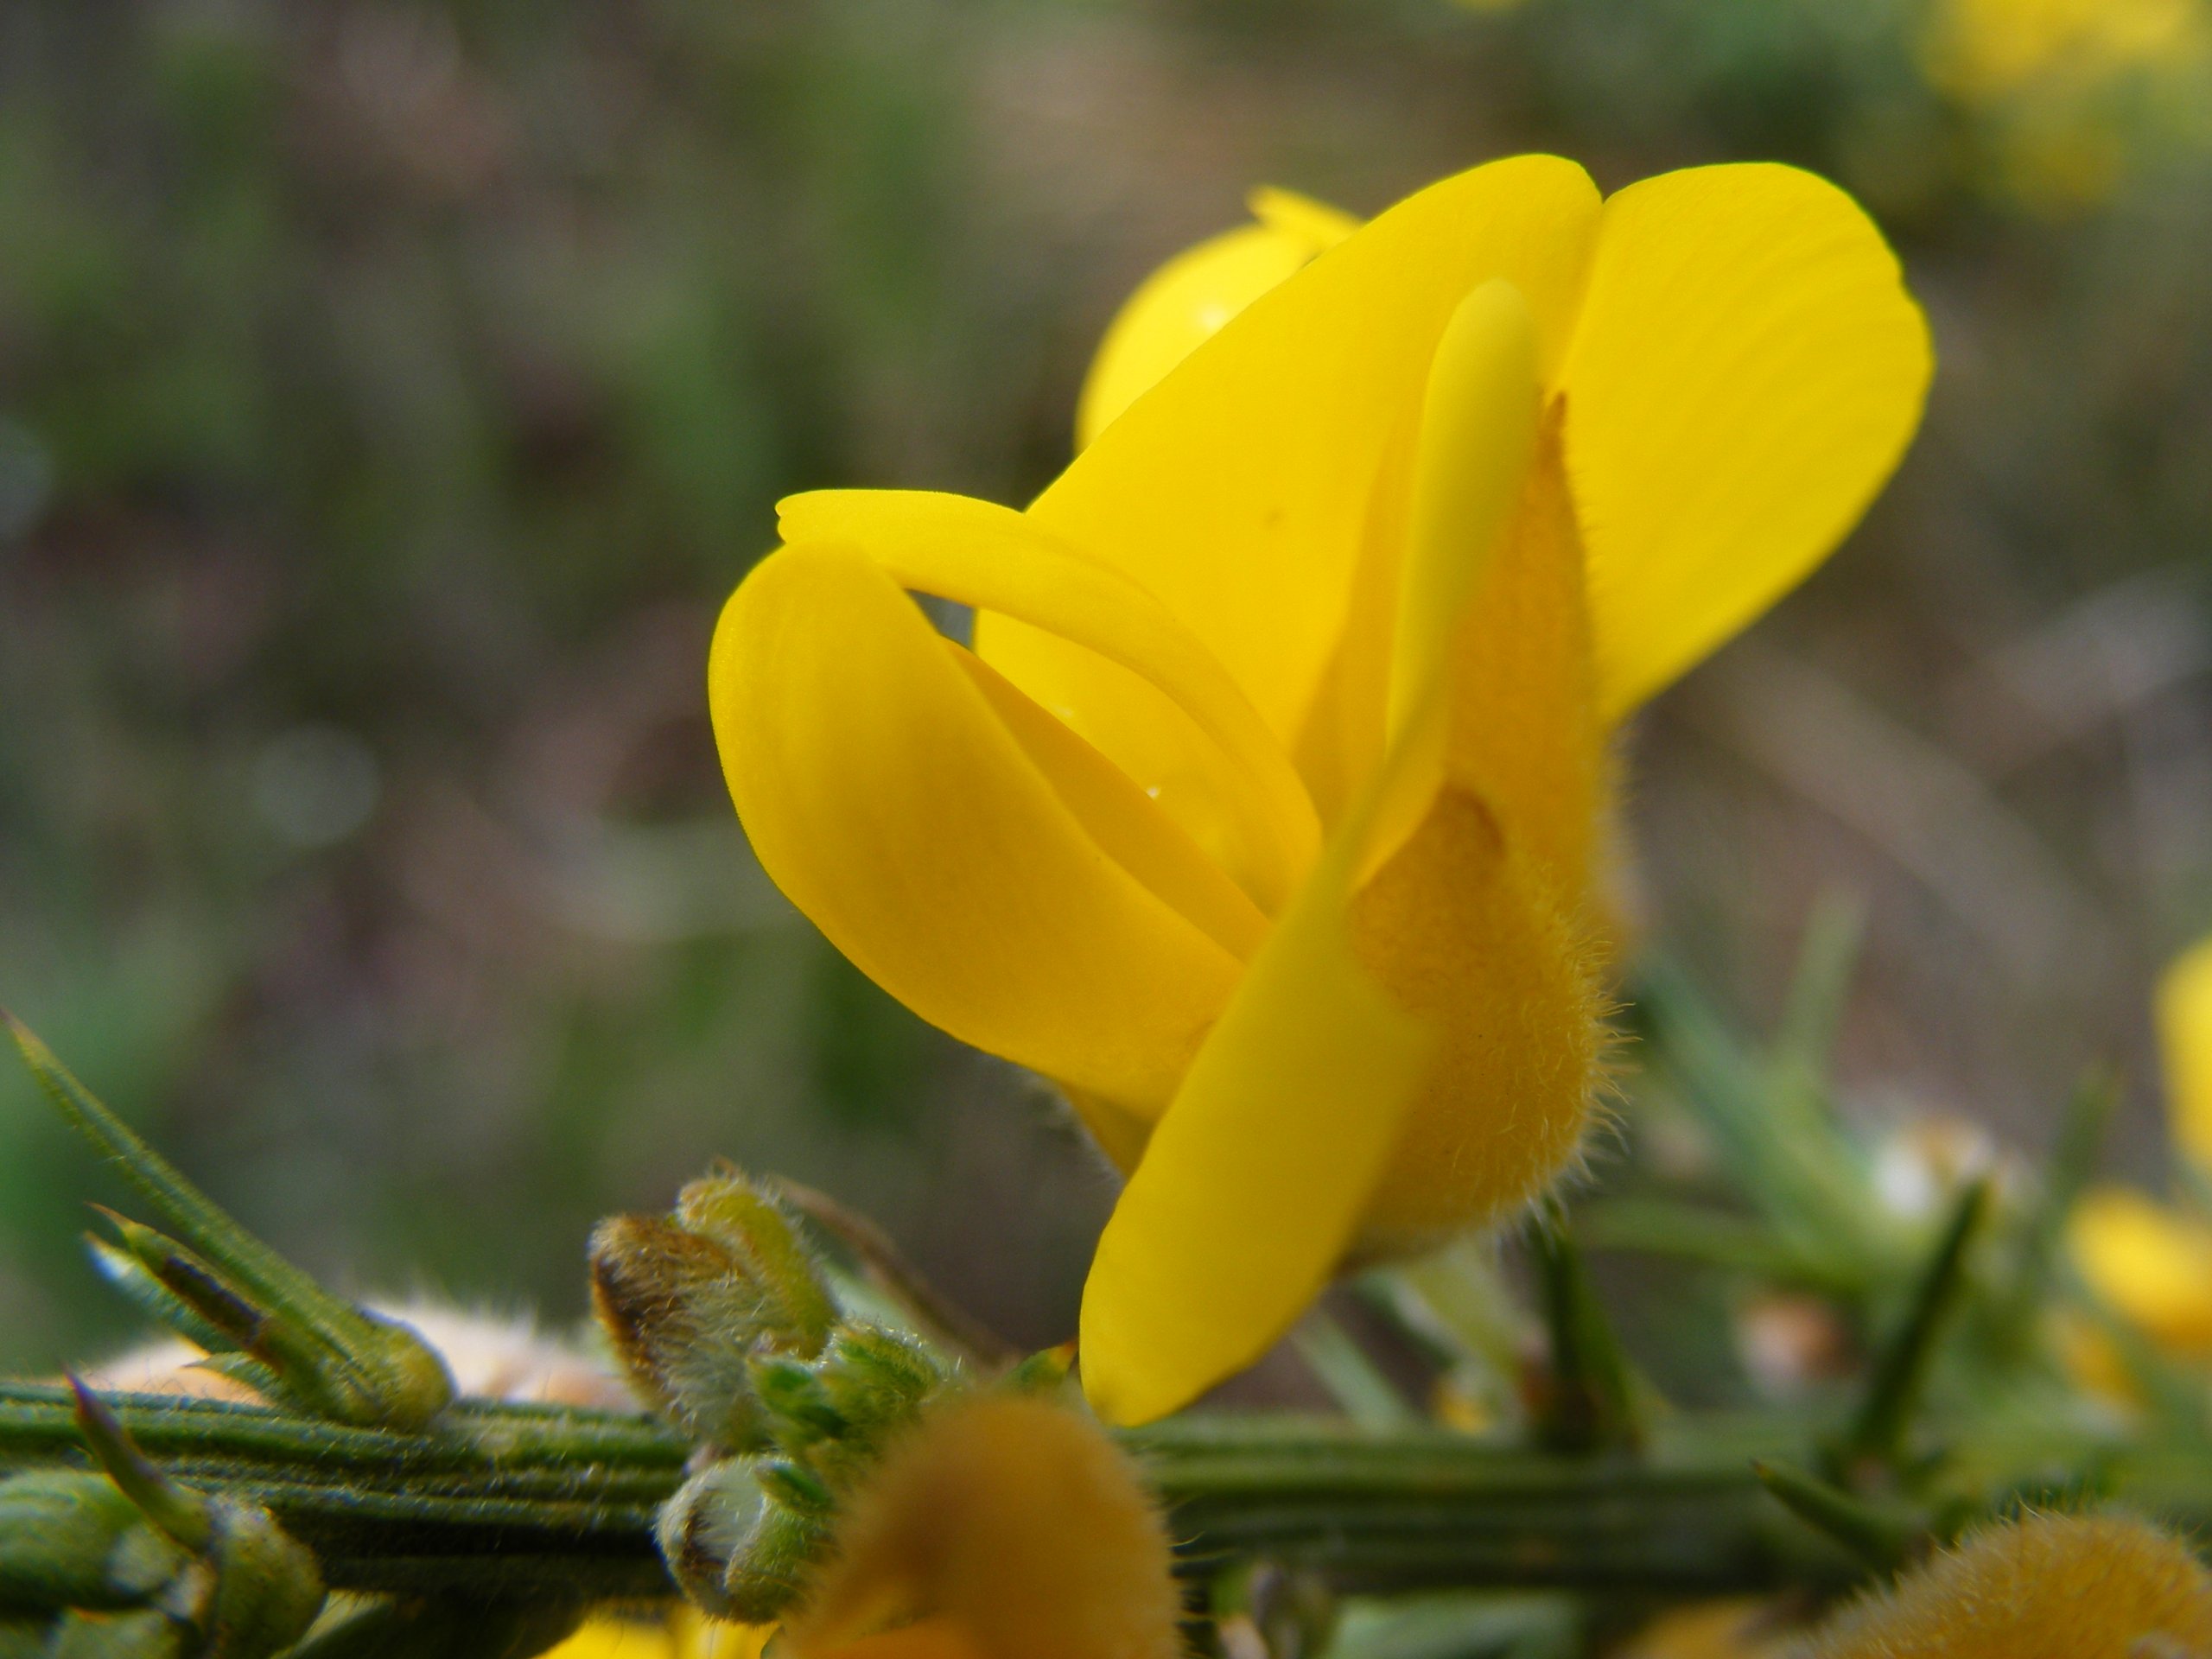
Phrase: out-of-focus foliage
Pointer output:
(389, 393)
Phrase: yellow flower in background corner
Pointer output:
(1986, 50)
(2061, 84)
(2046, 1586)
(2149, 1262)
(1260, 815)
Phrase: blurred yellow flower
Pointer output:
(680, 1634)
(2150, 1263)
(2043, 1587)
(2045, 74)
(1260, 815)
(1002, 1528)
(1741, 1628)
(1988, 49)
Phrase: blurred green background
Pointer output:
(389, 393)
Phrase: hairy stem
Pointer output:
(499, 1498)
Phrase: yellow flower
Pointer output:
(2043, 1587)
(2059, 85)
(1711, 1630)
(1986, 50)
(680, 1634)
(1002, 1528)
(1260, 815)
(2150, 1263)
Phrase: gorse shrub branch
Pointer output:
(156, 1524)
(1268, 814)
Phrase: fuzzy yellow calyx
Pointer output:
(1001, 1527)
(2046, 1586)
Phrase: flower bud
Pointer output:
(131, 1562)
(93, 1574)
(69, 1540)
(742, 1535)
(265, 1589)
(692, 1300)
(757, 1231)
(143, 1635)
(735, 1548)
(265, 1323)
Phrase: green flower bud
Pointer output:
(692, 1299)
(69, 1540)
(756, 1229)
(131, 1562)
(734, 1548)
(261, 1320)
(266, 1589)
(145, 1635)
(876, 1378)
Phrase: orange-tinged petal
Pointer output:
(2151, 1265)
(1476, 922)
(1002, 1527)
(1006, 564)
(2184, 1012)
(1185, 301)
(1236, 489)
(1525, 733)
(1747, 372)
(891, 803)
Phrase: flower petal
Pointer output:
(1254, 1181)
(1004, 564)
(893, 806)
(1238, 488)
(620, 1639)
(1747, 370)
(2185, 1041)
(1185, 301)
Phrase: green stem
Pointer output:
(499, 1499)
